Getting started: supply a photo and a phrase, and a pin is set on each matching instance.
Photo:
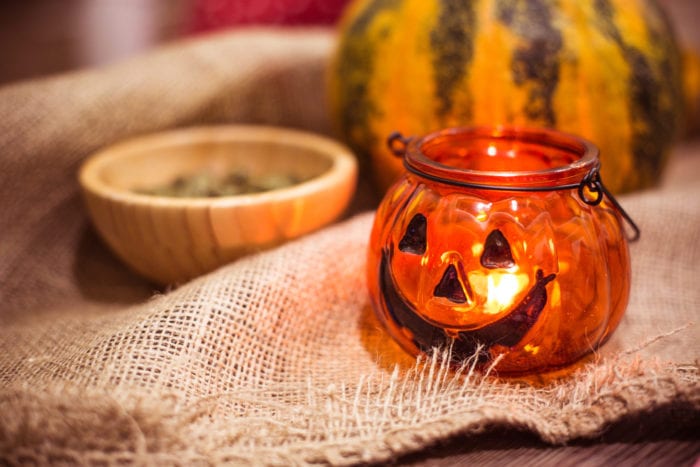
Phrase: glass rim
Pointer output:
(563, 176)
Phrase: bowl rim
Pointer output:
(343, 163)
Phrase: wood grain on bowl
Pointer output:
(174, 239)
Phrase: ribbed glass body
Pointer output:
(488, 244)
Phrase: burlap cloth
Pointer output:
(276, 358)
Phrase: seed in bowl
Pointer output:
(206, 185)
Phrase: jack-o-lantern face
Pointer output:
(471, 288)
(463, 268)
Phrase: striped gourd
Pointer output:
(607, 70)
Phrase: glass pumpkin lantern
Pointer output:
(500, 243)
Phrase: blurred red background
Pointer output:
(214, 14)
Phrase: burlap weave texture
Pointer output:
(277, 358)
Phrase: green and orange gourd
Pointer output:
(607, 70)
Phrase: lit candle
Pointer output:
(492, 241)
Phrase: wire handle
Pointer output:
(397, 144)
(594, 184)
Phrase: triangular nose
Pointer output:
(450, 287)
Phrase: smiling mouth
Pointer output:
(507, 331)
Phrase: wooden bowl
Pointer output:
(173, 239)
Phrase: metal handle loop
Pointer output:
(594, 183)
(397, 143)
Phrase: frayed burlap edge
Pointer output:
(375, 419)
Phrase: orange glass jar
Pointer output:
(500, 243)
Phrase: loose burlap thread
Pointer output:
(276, 358)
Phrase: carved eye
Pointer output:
(449, 286)
(414, 240)
(496, 252)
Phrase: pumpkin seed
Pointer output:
(237, 182)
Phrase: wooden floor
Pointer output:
(630, 443)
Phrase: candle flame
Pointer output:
(502, 289)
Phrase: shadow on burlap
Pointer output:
(276, 358)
